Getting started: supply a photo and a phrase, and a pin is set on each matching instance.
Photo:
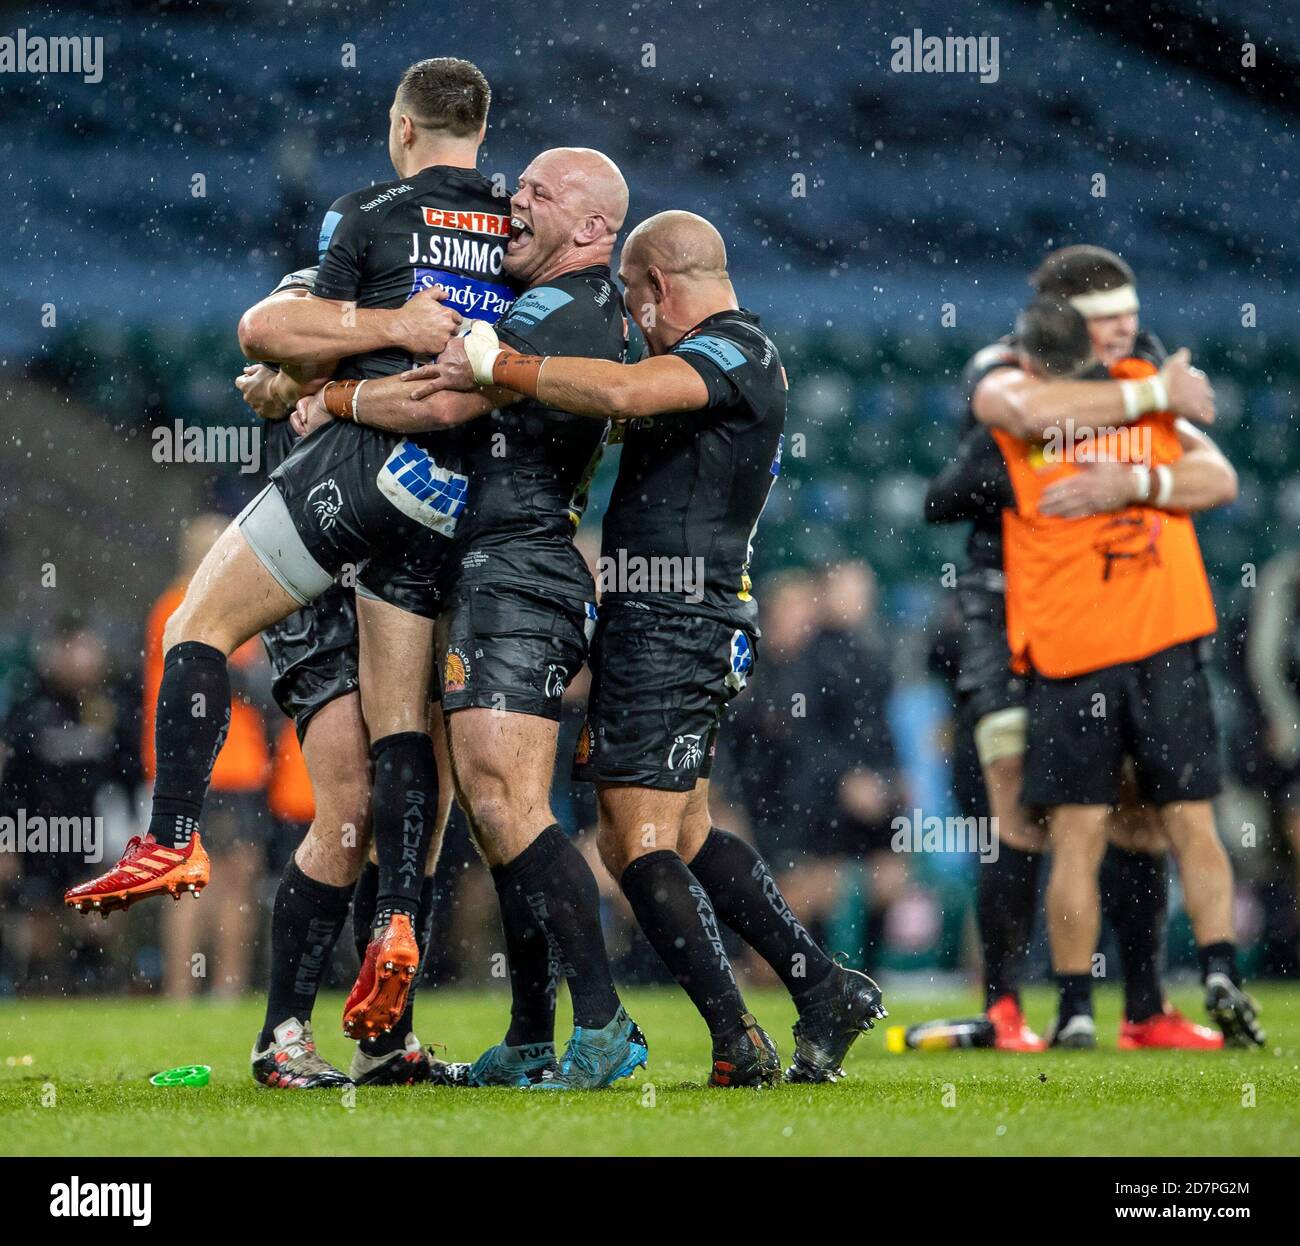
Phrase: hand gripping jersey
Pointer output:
(382, 245)
(1084, 594)
(691, 486)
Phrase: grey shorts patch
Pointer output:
(268, 528)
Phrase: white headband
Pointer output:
(1117, 302)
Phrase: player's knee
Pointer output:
(190, 622)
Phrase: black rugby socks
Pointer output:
(745, 896)
(405, 815)
(1006, 901)
(1134, 900)
(190, 727)
(674, 910)
(305, 925)
(550, 911)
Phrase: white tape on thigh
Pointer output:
(1001, 734)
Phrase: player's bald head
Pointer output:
(680, 243)
(589, 178)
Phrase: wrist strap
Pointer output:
(1149, 394)
(340, 398)
(1143, 475)
(511, 370)
(1165, 488)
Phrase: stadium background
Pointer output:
(925, 200)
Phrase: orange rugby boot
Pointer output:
(147, 868)
(378, 996)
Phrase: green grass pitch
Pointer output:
(85, 1090)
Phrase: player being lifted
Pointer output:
(515, 630)
(348, 497)
(703, 417)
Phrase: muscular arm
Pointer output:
(1203, 477)
(304, 332)
(387, 403)
(1028, 406)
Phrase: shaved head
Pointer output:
(680, 243)
(589, 178)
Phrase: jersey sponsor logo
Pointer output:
(327, 228)
(386, 196)
(455, 671)
(727, 355)
(326, 503)
(532, 308)
(475, 300)
(686, 753)
(414, 483)
(469, 222)
(741, 660)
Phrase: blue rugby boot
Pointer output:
(595, 1059)
(504, 1065)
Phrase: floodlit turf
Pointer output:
(91, 1061)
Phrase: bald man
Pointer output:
(703, 418)
(520, 609)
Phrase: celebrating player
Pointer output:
(515, 630)
(1107, 608)
(349, 501)
(976, 488)
(703, 417)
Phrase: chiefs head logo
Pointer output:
(454, 673)
(582, 753)
(686, 753)
(326, 503)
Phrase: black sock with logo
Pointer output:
(1006, 899)
(190, 726)
(1219, 958)
(364, 895)
(405, 814)
(550, 900)
(1135, 901)
(745, 896)
(674, 910)
(306, 922)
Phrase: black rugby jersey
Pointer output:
(691, 485)
(280, 437)
(382, 245)
(528, 463)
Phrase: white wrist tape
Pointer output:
(1143, 475)
(1149, 394)
(483, 366)
(356, 393)
(1165, 489)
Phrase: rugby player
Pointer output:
(519, 608)
(703, 418)
(976, 488)
(1109, 603)
(348, 501)
(313, 657)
